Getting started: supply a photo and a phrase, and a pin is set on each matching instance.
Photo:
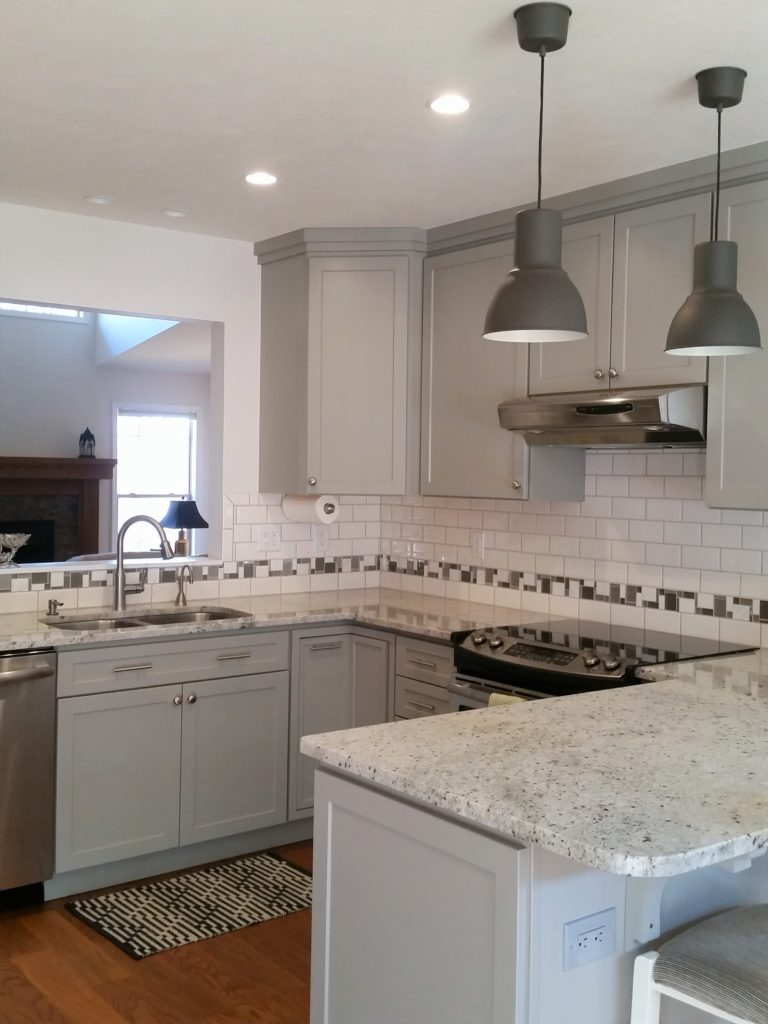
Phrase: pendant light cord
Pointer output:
(713, 230)
(542, 54)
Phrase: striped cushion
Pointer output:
(723, 962)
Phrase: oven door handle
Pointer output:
(476, 693)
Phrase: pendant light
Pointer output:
(715, 320)
(538, 302)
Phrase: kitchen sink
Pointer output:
(203, 615)
(94, 625)
(109, 624)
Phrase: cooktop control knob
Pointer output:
(611, 664)
(495, 643)
(591, 661)
(478, 639)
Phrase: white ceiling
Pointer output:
(167, 103)
(183, 348)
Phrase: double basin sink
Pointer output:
(109, 624)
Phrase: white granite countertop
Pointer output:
(650, 780)
(385, 609)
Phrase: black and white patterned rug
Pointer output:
(152, 918)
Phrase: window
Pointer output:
(45, 312)
(156, 458)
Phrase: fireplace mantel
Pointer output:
(33, 476)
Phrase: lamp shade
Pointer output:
(714, 320)
(538, 302)
(183, 515)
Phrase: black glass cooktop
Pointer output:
(641, 645)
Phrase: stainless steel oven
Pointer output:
(467, 693)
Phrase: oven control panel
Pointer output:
(491, 647)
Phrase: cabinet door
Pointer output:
(321, 701)
(737, 428)
(117, 776)
(369, 672)
(571, 366)
(652, 276)
(234, 756)
(357, 374)
(464, 452)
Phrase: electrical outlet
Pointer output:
(269, 538)
(477, 543)
(321, 535)
(589, 938)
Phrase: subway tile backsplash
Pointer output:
(642, 549)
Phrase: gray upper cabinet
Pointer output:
(633, 271)
(571, 366)
(339, 368)
(464, 451)
(652, 275)
(737, 443)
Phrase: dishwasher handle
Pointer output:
(26, 675)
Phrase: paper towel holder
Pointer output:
(329, 508)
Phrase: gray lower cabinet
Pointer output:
(464, 451)
(143, 768)
(339, 680)
(234, 756)
(117, 775)
(737, 442)
(423, 669)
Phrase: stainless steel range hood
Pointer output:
(615, 419)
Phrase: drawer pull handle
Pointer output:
(325, 647)
(422, 707)
(133, 668)
(424, 663)
(237, 656)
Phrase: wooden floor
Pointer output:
(56, 970)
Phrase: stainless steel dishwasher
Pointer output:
(27, 760)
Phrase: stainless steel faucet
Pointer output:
(121, 589)
(181, 597)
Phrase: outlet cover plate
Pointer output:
(269, 538)
(589, 938)
(321, 537)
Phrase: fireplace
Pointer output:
(55, 500)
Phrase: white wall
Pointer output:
(96, 263)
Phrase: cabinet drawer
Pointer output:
(414, 699)
(185, 660)
(417, 659)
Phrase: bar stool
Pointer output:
(719, 966)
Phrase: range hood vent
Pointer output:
(614, 419)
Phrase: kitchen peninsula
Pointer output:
(457, 857)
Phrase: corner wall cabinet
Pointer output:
(737, 443)
(633, 271)
(340, 679)
(146, 763)
(339, 353)
(464, 451)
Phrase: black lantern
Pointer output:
(87, 444)
(183, 515)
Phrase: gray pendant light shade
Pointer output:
(714, 320)
(538, 302)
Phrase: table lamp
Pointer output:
(183, 515)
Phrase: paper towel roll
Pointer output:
(311, 508)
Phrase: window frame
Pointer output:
(84, 316)
(156, 409)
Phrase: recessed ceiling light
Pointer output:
(450, 103)
(260, 178)
(99, 200)
(175, 213)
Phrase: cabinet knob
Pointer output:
(192, 699)
(177, 700)
(516, 485)
(312, 481)
(599, 374)
(613, 374)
